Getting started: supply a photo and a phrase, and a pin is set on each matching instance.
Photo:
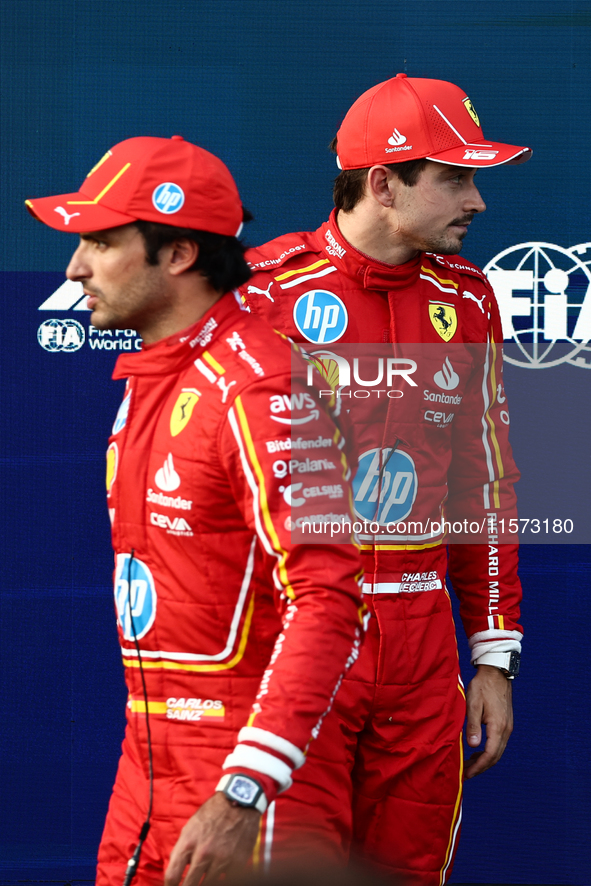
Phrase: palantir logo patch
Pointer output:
(320, 316)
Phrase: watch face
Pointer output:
(243, 789)
(514, 663)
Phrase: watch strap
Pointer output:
(508, 662)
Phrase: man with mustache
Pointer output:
(382, 270)
(234, 635)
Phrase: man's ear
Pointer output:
(182, 255)
(379, 185)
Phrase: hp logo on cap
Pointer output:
(168, 198)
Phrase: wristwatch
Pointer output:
(243, 790)
(507, 662)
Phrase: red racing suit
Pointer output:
(242, 636)
(442, 446)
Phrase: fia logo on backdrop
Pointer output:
(544, 296)
(67, 335)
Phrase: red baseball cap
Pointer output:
(165, 180)
(409, 118)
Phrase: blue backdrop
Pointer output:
(264, 84)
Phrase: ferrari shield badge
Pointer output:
(471, 110)
(444, 319)
(183, 410)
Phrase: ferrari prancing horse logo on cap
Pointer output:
(471, 110)
(444, 319)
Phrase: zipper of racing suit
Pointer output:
(397, 442)
(133, 862)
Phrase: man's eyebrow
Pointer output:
(95, 236)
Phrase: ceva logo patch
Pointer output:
(320, 316)
(397, 486)
(135, 597)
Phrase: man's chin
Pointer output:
(446, 248)
(452, 244)
(101, 320)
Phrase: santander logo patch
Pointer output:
(166, 477)
(447, 378)
(396, 138)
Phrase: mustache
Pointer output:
(88, 291)
(462, 221)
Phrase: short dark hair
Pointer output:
(349, 185)
(220, 260)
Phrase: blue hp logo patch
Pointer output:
(135, 597)
(320, 316)
(168, 198)
(397, 488)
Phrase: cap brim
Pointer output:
(483, 154)
(75, 213)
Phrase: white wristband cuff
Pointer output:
(274, 742)
(247, 757)
(494, 641)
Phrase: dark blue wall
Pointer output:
(264, 84)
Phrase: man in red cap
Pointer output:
(383, 270)
(234, 634)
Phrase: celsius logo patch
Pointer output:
(122, 413)
(112, 463)
(61, 335)
(135, 597)
(397, 486)
(320, 316)
(166, 477)
(168, 198)
(447, 378)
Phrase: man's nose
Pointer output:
(474, 202)
(78, 268)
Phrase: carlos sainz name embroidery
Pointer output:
(191, 709)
